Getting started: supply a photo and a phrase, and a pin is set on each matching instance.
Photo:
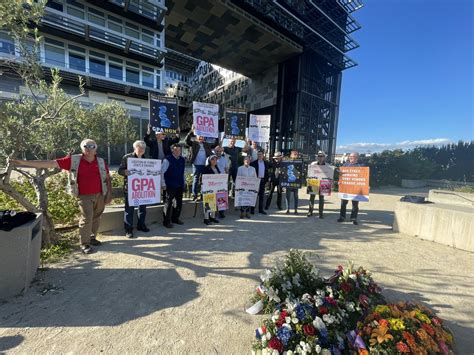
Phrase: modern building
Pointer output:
(278, 57)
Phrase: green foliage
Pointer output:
(62, 207)
(451, 162)
(66, 243)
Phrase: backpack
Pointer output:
(10, 219)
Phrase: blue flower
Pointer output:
(257, 334)
(284, 334)
(300, 312)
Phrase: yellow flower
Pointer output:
(381, 308)
(423, 317)
(396, 324)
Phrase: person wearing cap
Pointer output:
(261, 168)
(210, 168)
(160, 145)
(138, 153)
(321, 160)
(275, 169)
(89, 182)
(353, 161)
(200, 150)
(246, 170)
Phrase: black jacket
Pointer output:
(208, 170)
(194, 145)
(152, 143)
(255, 165)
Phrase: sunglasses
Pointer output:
(90, 146)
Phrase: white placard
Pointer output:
(246, 191)
(259, 128)
(206, 119)
(144, 181)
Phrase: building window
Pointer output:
(147, 36)
(132, 74)
(56, 5)
(115, 71)
(147, 79)
(7, 45)
(132, 30)
(97, 66)
(54, 52)
(158, 81)
(96, 17)
(77, 61)
(77, 10)
(114, 24)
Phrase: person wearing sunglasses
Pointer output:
(89, 181)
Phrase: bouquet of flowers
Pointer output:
(313, 324)
(404, 328)
(356, 291)
(288, 279)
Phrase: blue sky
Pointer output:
(414, 82)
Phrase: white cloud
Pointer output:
(378, 147)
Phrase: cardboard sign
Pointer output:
(206, 119)
(259, 128)
(215, 185)
(291, 173)
(144, 181)
(234, 125)
(324, 175)
(164, 113)
(246, 191)
(354, 183)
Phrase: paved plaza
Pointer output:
(184, 290)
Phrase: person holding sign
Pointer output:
(246, 170)
(353, 161)
(275, 180)
(261, 168)
(294, 155)
(173, 184)
(138, 152)
(200, 151)
(210, 209)
(312, 190)
(160, 146)
(89, 181)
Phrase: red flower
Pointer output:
(309, 330)
(428, 328)
(264, 329)
(279, 322)
(323, 310)
(364, 300)
(383, 322)
(283, 314)
(331, 301)
(346, 287)
(274, 343)
(402, 347)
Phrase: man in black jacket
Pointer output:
(261, 168)
(200, 151)
(275, 180)
(160, 145)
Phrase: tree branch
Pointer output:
(10, 191)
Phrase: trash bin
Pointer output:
(20, 251)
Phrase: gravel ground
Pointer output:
(184, 290)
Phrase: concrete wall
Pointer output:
(452, 198)
(441, 223)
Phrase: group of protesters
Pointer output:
(90, 182)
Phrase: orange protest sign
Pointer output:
(354, 183)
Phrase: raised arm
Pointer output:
(37, 164)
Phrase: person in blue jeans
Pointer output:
(200, 151)
(138, 152)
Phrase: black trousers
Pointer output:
(355, 209)
(321, 204)
(261, 195)
(274, 185)
(173, 204)
(294, 191)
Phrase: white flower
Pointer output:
(305, 347)
(268, 335)
(289, 352)
(296, 280)
(294, 320)
(288, 320)
(273, 294)
(328, 319)
(353, 277)
(306, 298)
(266, 275)
(318, 349)
(318, 302)
(350, 306)
(319, 324)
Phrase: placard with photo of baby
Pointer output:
(291, 174)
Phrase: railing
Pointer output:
(100, 34)
(149, 9)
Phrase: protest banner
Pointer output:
(354, 183)
(259, 128)
(246, 191)
(291, 173)
(215, 191)
(144, 181)
(320, 179)
(164, 114)
(205, 119)
(234, 125)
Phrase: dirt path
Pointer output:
(184, 290)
